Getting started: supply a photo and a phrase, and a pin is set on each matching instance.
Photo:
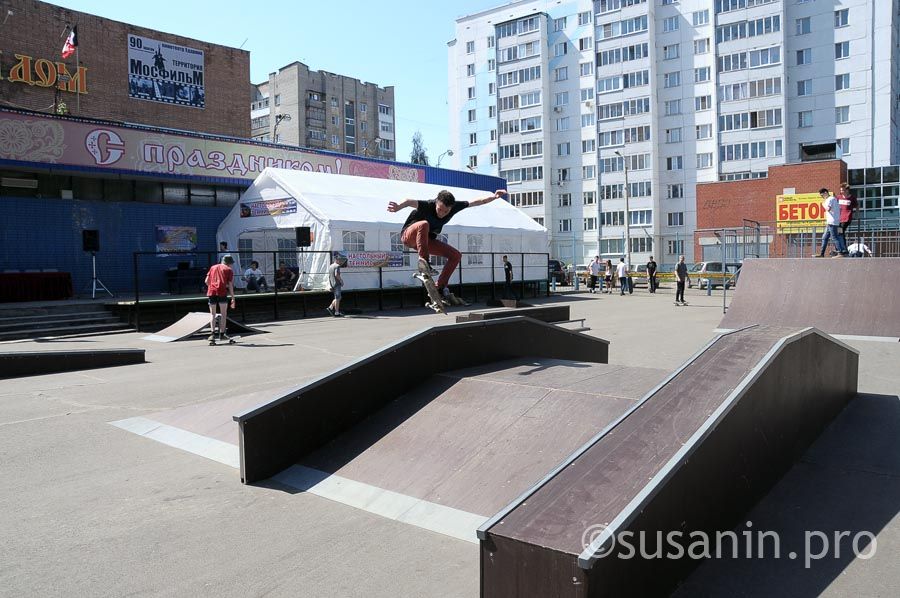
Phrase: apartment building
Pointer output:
(322, 110)
(585, 107)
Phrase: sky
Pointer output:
(394, 42)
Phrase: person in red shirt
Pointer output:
(849, 205)
(220, 284)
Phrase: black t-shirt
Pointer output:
(426, 210)
(651, 267)
(507, 268)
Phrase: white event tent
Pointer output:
(348, 214)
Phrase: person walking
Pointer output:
(681, 277)
(608, 276)
(622, 274)
(832, 224)
(848, 205)
(336, 283)
(596, 270)
(219, 285)
(651, 275)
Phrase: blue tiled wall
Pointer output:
(46, 233)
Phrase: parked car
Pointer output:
(556, 271)
(697, 271)
(639, 275)
(731, 282)
(583, 272)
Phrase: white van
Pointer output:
(698, 270)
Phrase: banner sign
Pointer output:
(268, 207)
(175, 238)
(48, 140)
(799, 213)
(373, 259)
(164, 72)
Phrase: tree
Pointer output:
(418, 155)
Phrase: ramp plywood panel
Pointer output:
(695, 456)
(192, 324)
(852, 296)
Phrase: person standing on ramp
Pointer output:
(220, 284)
(423, 225)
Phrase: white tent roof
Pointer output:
(336, 199)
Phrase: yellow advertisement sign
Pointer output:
(799, 213)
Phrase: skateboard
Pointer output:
(231, 340)
(214, 337)
(436, 304)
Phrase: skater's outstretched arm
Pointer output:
(396, 207)
(480, 202)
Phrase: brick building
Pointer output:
(124, 72)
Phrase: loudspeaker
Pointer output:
(90, 240)
(303, 236)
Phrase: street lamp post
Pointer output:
(627, 216)
(449, 152)
(278, 119)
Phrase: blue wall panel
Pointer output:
(46, 233)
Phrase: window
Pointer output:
(586, 68)
(672, 79)
(474, 247)
(588, 172)
(491, 91)
(278, 99)
(490, 41)
(670, 52)
(672, 107)
(561, 49)
(701, 17)
(470, 70)
(675, 191)
(670, 24)
(804, 56)
(470, 47)
(472, 115)
(565, 226)
(844, 146)
(612, 218)
(564, 200)
(841, 18)
(471, 93)
(493, 134)
(701, 74)
(704, 160)
(354, 240)
(804, 87)
(587, 94)
(640, 217)
(585, 43)
(493, 157)
(492, 64)
(765, 56)
(841, 50)
(704, 131)
(842, 82)
(675, 218)
(588, 145)
(562, 124)
(492, 111)
(701, 46)
(589, 198)
(675, 247)
(587, 120)
(334, 140)
(563, 149)
(561, 98)
(564, 174)
(334, 102)
(673, 136)
(804, 118)
(473, 161)
(584, 17)
(590, 223)
(532, 98)
(561, 73)
(473, 138)
(842, 114)
(612, 246)
(675, 162)
(702, 103)
(559, 24)
(804, 26)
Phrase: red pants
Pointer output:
(416, 237)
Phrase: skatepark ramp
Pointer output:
(692, 456)
(36, 363)
(278, 434)
(847, 296)
(193, 323)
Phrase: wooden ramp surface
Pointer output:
(191, 324)
(849, 296)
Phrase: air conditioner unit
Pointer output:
(588, 103)
(19, 183)
(557, 108)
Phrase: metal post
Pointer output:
(494, 276)
(724, 270)
(380, 288)
(137, 294)
(627, 217)
(275, 284)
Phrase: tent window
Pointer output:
(475, 243)
(397, 245)
(245, 252)
(354, 240)
(287, 252)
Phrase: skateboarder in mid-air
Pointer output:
(220, 284)
(421, 229)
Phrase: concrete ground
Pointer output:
(87, 508)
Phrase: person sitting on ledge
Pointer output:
(255, 278)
